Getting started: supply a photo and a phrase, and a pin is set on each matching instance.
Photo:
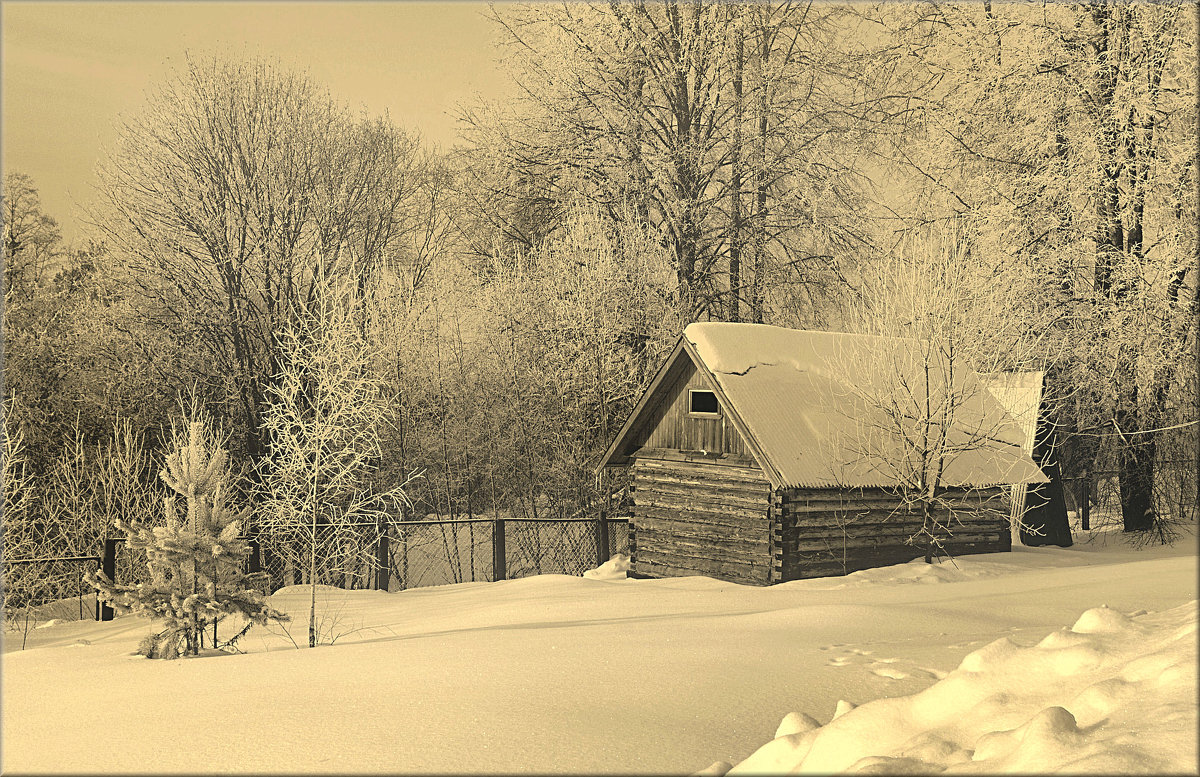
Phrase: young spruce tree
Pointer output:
(196, 560)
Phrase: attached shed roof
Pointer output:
(1020, 393)
(829, 409)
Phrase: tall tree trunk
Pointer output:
(1113, 246)
(760, 174)
(735, 183)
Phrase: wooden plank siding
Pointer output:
(830, 532)
(672, 427)
(701, 518)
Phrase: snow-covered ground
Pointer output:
(1078, 660)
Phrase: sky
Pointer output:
(70, 69)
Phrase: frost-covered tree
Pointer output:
(319, 510)
(717, 125)
(1068, 133)
(196, 558)
(31, 239)
(958, 311)
(223, 194)
(21, 536)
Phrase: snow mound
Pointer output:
(1114, 693)
(1101, 620)
(616, 568)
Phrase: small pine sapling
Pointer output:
(196, 561)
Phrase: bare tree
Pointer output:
(323, 418)
(1070, 132)
(938, 312)
(21, 536)
(675, 113)
(232, 196)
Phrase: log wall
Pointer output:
(835, 532)
(701, 517)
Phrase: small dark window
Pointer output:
(703, 402)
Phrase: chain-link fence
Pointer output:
(416, 554)
(39, 590)
(340, 555)
(398, 556)
(442, 552)
(425, 553)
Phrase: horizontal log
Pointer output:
(732, 467)
(874, 505)
(700, 496)
(738, 510)
(808, 571)
(708, 494)
(833, 564)
(659, 566)
(746, 488)
(852, 545)
(737, 461)
(867, 494)
(717, 468)
(758, 531)
(887, 554)
(791, 542)
(896, 524)
(953, 519)
(884, 505)
(693, 558)
(718, 516)
(703, 547)
(731, 552)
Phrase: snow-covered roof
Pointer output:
(830, 409)
(1020, 393)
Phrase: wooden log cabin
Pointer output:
(760, 455)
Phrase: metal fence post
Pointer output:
(108, 565)
(254, 563)
(1085, 501)
(499, 557)
(382, 562)
(602, 553)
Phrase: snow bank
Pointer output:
(559, 674)
(616, 568)
(1114, 693)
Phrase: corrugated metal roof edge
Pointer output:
(832, 484)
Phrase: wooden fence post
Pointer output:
(382, 562)
(108, 565)
(499, 557)
(602, 554)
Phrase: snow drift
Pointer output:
(961, 666)
(1111, 694)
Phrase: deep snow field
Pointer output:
(1076, 660)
